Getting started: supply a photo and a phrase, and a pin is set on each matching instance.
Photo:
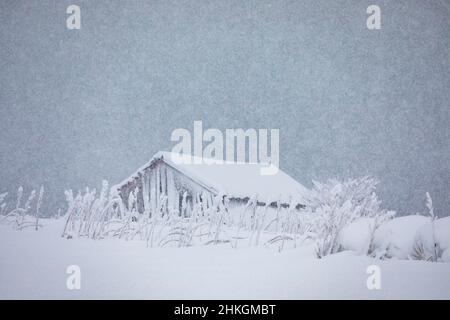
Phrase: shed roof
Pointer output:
(233, 179)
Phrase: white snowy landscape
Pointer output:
(211, 149)
(211, 249)
(33, 266)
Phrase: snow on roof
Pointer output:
(234, 179)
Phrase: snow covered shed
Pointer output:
(164, 183)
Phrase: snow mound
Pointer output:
(357, 235)
(396, 237)
(446, 256)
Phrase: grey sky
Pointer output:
(77, 106)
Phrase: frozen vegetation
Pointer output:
(24, 214)
(227, 253)
(338, 216)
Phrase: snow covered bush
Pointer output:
(105, 215)
(210, 220)
(339, 215)
(336, 204)
(358, 236)
(23, 215)
(415, 237)
(432, 240)
(395, 238)
(92, 216)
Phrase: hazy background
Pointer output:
(77, 106)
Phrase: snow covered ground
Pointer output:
(33, 265)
